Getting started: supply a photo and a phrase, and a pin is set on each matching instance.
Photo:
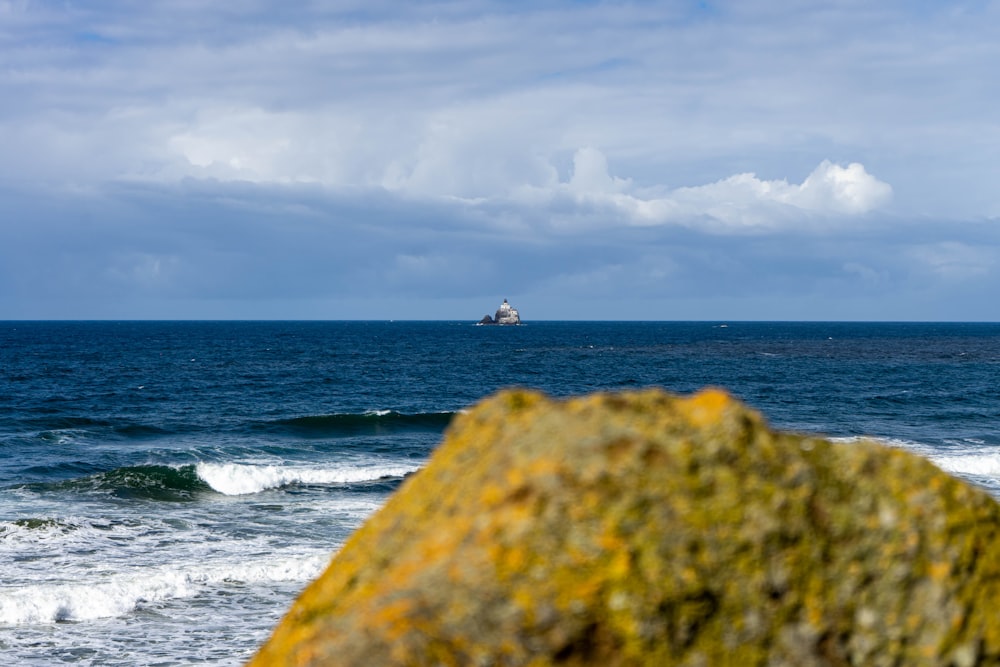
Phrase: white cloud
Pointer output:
(739, 201)
(464, 101)
(242, 144)
(829, 189)
(329, 147)
(848, 189)
(591, 175)
(488, 153)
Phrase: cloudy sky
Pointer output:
(376, 159)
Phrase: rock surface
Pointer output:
(646, 529)
(506, 314)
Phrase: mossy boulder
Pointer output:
(649, 529)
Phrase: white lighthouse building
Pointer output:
(506, 314)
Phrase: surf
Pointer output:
(236, 479)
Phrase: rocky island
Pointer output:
(506, 314)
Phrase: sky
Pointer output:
(672, 160)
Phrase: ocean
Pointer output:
(167, 488)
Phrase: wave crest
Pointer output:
(235, 479)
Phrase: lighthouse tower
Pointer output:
(506, 314)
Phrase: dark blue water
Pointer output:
(167, 488)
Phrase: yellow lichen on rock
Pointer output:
(649, 529)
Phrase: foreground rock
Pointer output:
(642, 529)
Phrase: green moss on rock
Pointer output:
(649, 529)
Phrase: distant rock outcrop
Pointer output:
(647, 529)
(505, 314)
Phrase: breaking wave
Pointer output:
(188, 482)
(233, 479)
(125, 592)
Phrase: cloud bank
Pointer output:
(386, 159)
(739, 201)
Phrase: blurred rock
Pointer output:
(646, 529)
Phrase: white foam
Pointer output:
(900, 443)
(235, 479)
(919, 448)
(56, 542)
(122, 593)
(982, 465)
(977, 459)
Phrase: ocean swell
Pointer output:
(145, 482)
(368, 423)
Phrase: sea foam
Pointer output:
(975, 460)
(985, 465)
(122, 593)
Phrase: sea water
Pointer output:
(167, 488)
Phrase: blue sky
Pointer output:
(751, 159)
